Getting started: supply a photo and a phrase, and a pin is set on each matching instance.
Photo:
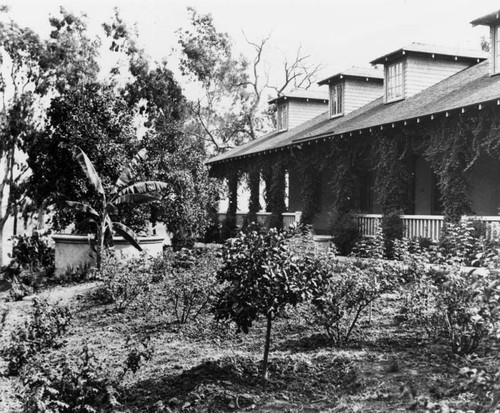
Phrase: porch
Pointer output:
(426, 226)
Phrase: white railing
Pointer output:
(289, 218)
(428, 226)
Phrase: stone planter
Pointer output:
(73, 251)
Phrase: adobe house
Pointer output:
(419, 136)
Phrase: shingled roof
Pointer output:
(470, 87)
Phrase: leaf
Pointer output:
(130, 171)
(127, 233)
(87, 209)
(134, 199)
(88, 169)
(144, 188)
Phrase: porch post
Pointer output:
(230, 224)
(277, 194)
(254, 201)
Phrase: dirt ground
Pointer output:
(206, 367)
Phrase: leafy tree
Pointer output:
(174, 156)
(94, 119)
(20, 49)
(230, 110)
(123, 191)
(31, 69)
(261, 276)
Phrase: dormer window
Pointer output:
(282, 116)
(336, 100)
(394, 82)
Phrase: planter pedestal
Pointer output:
(73, 251)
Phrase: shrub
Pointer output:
(139, 353)
(370, 247)
(344, 291)
(79, 384)
(346, 233)
(189, 281)
(44, 330)
(393, 229)
(448, 305)
(33, 252)
(123, 283)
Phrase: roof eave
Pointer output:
(391, 57)
(491, 19)
(342, 76)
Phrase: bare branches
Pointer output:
(299, 73)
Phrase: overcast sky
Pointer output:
(337, 33)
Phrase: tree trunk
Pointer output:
(266, 348)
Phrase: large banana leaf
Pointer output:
(88, 169)
(87, 209)
(130, 171)
(128, 234)
(134, 199)
(143, 188)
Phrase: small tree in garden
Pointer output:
(123, 191)
(261, 276)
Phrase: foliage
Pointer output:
(448, 305)
(370, 247)
(78, 384)
(277, 194)
(123, 283)
(44, 330)
(33, 252)
(392, 229)
(124, 191)
(188, 281)
(346, 233)
(139, 353)
(343, 293)
(260, 276)
(97, 121)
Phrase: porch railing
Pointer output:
(289, 218)
(428, 226)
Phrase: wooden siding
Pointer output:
(358, 93)
(423, 72)
(301, 111)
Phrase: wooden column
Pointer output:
(277, 195)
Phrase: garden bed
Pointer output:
(204, 367)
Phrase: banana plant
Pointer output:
(124, 190)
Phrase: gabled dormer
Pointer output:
(493, 21)
(298, 106)
(411, 69)
(353, 88)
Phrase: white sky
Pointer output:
(337, 33)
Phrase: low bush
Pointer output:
(123, 283)
(370, 247)
(346, 233)
(447, 304)
(393, 229)
(70, 384)
(188, 281)
(45, 328)
(344, 290)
